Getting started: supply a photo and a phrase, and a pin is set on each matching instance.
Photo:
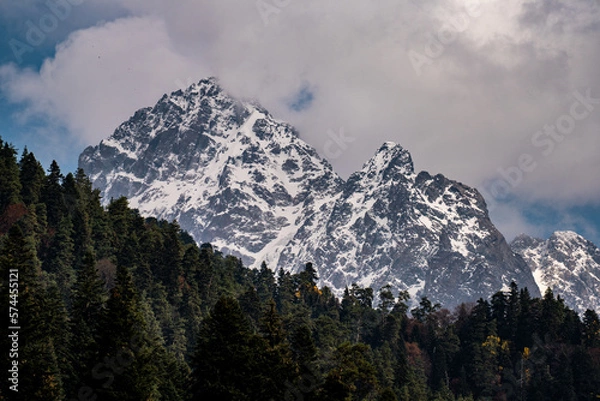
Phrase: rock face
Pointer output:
(234, 176)
(226, 170)
(430, 235)
(567, 263)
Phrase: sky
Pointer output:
(502, 95)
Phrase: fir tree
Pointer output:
(88, 300)
(591, 329)
(353, 376)
(10, 184)
(53, 196)
(32, 177)
(130, 367)
(39, 372)
(230, 362)
(59, 258)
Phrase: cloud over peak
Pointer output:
(465, 85)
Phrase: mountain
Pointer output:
(428, 234)
(227, 170)
(567, 263)
(233, 175)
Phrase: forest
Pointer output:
(112, 305)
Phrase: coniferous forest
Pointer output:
(111, 305)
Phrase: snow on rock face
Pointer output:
(225, 169)
(567, 263)
(234, 176)
(390, 225)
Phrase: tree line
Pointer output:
(117, 306)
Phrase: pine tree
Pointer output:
(353, 376)
(286, 291)
(303, 346)
(39, 372)
(250, 304)
(591, 329)
(169, 271)
(499, 303)
(99, 225)
(191, 304)
(59, 328)
(386, 299)
(78, 195)
(278, 354)
(526, 322)
(309, 276)
(552, 316)
(53, 196)
(265, 283)
(425, 309)
(205, 274)
(513, 313)
(230, 361)
(129, 354)
(59, 258)
(10, 184)
(32, 178)
(88, 300)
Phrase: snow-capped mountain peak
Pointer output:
(228, 171)
(389, 161)
(567, 263)
(234, 176)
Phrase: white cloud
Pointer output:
(510, 69)
(100, 76)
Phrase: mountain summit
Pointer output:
(566, 263)
(225, 169)
(233, 175)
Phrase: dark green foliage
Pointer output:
(386, 299)
(232, 362)
(32, 177)
(591, 329)
(59, 258)
(39, 365)
(88, 299)
(265, 283)
(303, 346)
(353, 376)
(116, 306)
(53, 196)
(10, 183)
(425, 309)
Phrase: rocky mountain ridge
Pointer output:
(566, 263)
(233, 175)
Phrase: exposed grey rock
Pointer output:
(234, 176)
(567, 263)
